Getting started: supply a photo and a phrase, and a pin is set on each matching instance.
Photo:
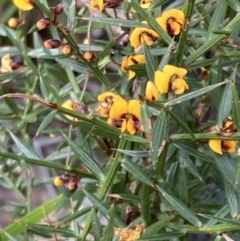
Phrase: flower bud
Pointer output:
(13, 22)
(43, 23)
(57, 181)
(90, 56)
(52, 43)
(67, 48)
(15, 65)
(80, 108)
(58, 9)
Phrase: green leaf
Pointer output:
(162, 236)
(232, 199)
(97, 203)
(34, 216)
(193, 94)
(109, 230)
(150, 63)
(234, 4)
(225, 105)
(24, 148)
(116, 22)
(181, 208)
(136, 171)
(235, 107)
(157, 226)
(217, 18)
(96, 226)
(160, 134)
(45, 122)
(91, 164)
(225, 167)
(145, 203)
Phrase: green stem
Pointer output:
(106, 183)
(183, 36)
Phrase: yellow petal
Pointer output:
(124, 65)
(118, 109)
(131, 74)
(134, 108)
(105, 96)
(131, 126)
(229, 146)
(68, 104)
(216, 146)
(139, 35)
(124, 125)
(97, 5)
(162, 81)
(179, 86)
(6, 62)
(176, 14)
(151, 92)
(136, 59)
(24, 5)
(103, 109)
(170, 69)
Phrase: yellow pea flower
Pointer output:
(127, 115)
(171, 80)
(132, 60)
(151, 92)
(24, 5)
(219, 145)
(141, 35)
(172, 21)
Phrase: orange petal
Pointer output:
(162, 81)
(229, 146)
(170, 69)
(175, 28)
(151, 92)
(24, 5)
(118, 109)
(131, 126)
(134, 108)
(216, 146)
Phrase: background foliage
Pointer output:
(166, 179)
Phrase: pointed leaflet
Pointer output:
(225, 105)
(150, 62)
(109, 230)
(24, 148)
(136, 171)
(181, 208)
(235, 106)
(97, 203)
(91, 164)
(160, 134)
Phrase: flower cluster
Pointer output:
(227, 129)
(120, 112)
(171, 21)
(166, 81)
